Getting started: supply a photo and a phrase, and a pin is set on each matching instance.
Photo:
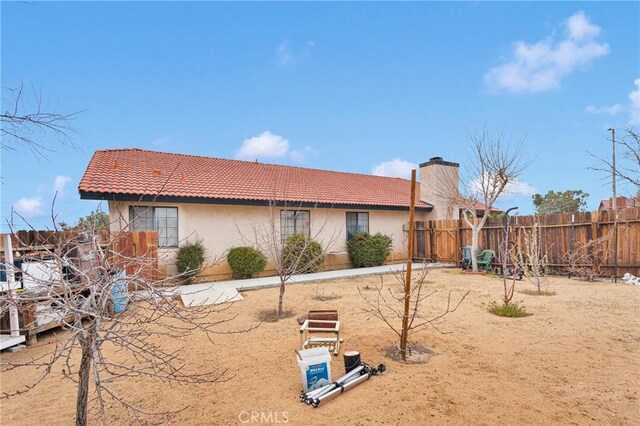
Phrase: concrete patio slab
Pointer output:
(210, 296)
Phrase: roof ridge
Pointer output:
(120, 149)
(250, 162)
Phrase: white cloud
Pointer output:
(516, 188)
(604, 109)
(542, 66)
(579, 27)
(270, 146)
(633, 106)
(395, 168)
(60, 183)
(29, 207)
(265, 145)
(286, 55)
(634, 98)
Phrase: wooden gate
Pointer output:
(437, 241)
(446, 245)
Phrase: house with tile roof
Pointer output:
(621, 203)
(186, 197)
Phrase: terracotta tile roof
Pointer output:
(137, 172)
(621, 203)
(481, 206)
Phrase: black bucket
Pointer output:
(351, 360)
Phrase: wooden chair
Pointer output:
(485, 258)
(322, 322)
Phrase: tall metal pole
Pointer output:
(407, 280)
(614, 200)
(614, 205)
(506, 249)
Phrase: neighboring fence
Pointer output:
(443, 240)
(135, 251)
(138, 252)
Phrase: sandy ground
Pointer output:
(576, 360)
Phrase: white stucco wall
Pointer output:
(223, 226)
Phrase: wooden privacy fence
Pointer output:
(134, 251)
(137, 253)
(560, 234)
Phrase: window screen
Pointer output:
(164, 220)
(141, 218)
(294, 222)
(357, 222)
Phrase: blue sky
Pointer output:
(348, 87)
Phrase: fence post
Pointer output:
(458, 260)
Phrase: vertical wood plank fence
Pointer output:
(443, 240)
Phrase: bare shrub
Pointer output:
(532, 258)
(538, 293)
(272, 315)
(322, 297)
(587, 260)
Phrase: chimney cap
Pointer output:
(439, 161)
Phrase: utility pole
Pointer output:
(407, 280)
(614, 205)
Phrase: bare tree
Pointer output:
(23, 125)
(388, 306)
(532, 258)
(290, 254)
(85, 287)
(627, 168)
(507, 253)
(496, 163)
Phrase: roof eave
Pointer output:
(90, 195)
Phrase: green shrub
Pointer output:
(367, 250)
(189, 260)
(511, 309)
(245, 262)
(302, 255)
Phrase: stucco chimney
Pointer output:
(436, 176)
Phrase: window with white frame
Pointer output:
(294, 222)
(357, 222)
(164, 220)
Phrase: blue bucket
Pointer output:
(119, 292)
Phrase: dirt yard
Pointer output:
(576, 360)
